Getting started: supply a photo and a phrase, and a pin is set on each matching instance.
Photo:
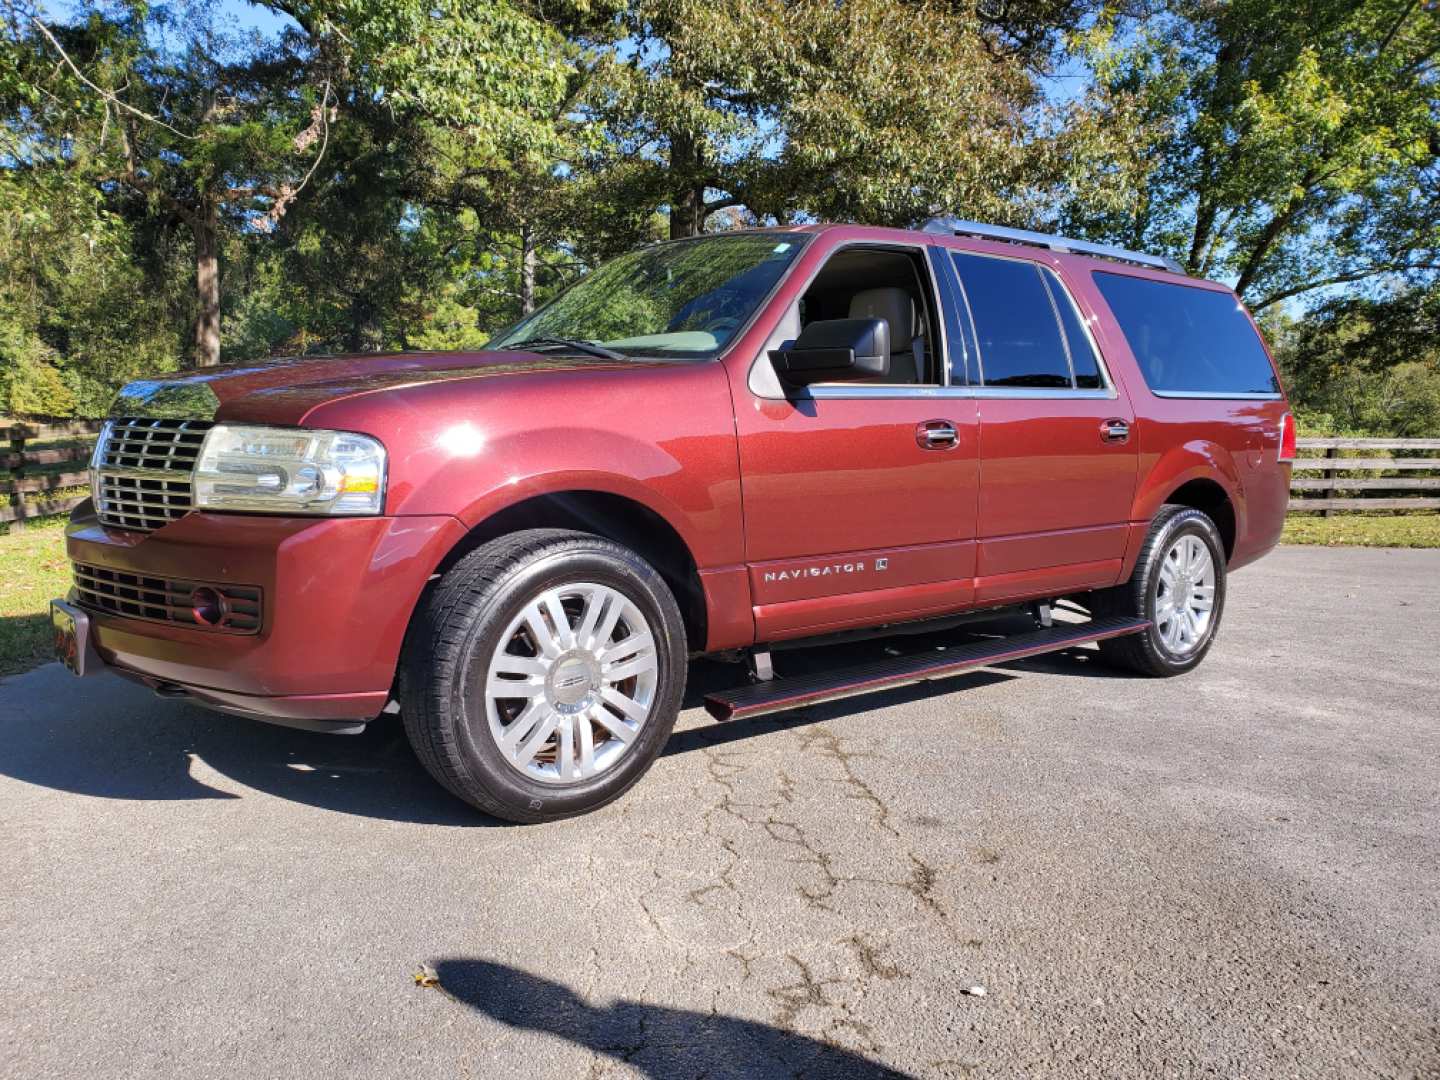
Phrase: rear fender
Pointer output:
(1197, 459)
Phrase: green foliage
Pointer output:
(869, 110)
(451, 325)
(30, 383)
(1285, 147)
(72, 273)
(33, 568)
(486, 65)
(1367, 366)
(389, 174)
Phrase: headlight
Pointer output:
(290, 471)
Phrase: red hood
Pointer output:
(284, 390)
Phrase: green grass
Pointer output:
(33, 568)
(1413, 530)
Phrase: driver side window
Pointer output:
(881, 283)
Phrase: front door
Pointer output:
(860, 498)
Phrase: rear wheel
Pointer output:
(544, 674)
(1179, 585)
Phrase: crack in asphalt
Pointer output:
(773, 820)
(871, 961)
(832, 747)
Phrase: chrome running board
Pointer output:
(780, 694)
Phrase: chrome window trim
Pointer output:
(935, 299)
(1213, 395)
(1027, 393)
(1047, 273)
(952, 306)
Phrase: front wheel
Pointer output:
(544, 674)
(1179, 585)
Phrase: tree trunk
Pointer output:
(687, 206)
(527, 269)
(206, 229)
(687, 214)
(360, 315)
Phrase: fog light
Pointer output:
(208, 606)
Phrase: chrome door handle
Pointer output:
(937, 435)
(1114, 431)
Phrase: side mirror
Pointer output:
(833, 350)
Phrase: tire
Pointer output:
(1165, 649)
(492, 621)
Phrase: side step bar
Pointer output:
(781, 694)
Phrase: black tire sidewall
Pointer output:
(1191, 522)
(604, 564)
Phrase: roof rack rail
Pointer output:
(947, 226)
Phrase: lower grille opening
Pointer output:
(204, 605)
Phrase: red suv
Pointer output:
(717, 445)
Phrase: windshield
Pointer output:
(683, 299)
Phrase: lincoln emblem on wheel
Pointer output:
(723, 446)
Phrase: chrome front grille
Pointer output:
(232, 608)
(143, 471)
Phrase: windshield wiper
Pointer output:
(588, 347)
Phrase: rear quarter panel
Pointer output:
(1234, 442)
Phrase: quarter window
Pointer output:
(1188, 340)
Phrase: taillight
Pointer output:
(1287, 438)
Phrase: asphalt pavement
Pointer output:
(1231, 874)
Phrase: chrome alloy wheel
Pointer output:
(571, 683)
(1185, 599)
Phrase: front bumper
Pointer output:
(337, 594)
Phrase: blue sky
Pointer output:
(242, 15)
(249, 17)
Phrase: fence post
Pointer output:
(1330, 452)
(17, 472)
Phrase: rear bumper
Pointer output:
(337, 597)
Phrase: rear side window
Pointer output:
(1028, 330)
(1188, 340)
(1019, 336)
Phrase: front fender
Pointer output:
(663, 437)
(555, 461)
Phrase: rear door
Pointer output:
(1057, 442)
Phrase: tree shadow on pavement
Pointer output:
(659, 1042)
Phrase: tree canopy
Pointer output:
(179, 187)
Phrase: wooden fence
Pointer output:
(1385, 488)
(34, 475)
